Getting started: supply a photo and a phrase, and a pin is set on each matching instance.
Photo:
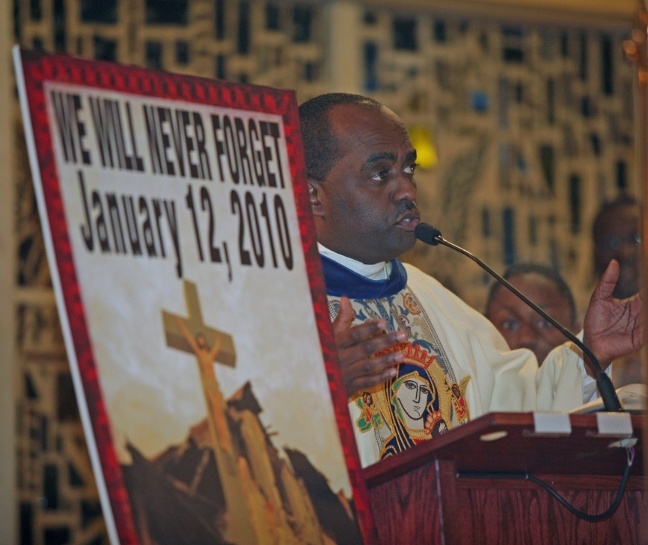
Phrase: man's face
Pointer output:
(365, 207)
(619, 238)
(520, 325)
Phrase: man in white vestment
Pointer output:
(416, 360)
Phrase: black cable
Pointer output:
(580, 514)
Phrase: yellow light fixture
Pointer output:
(421, 137)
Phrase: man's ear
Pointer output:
(314, 197)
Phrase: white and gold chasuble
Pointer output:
(456, 365)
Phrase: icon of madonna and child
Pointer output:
(419, 403)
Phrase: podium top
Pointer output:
(509, 443)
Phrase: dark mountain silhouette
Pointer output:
(331, 512)
(177, 497)
(165, 513)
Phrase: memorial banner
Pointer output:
(182, 254)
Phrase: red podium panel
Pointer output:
(467, 487)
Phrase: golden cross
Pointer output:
(196, 326)
(208, 345)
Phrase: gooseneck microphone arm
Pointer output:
(432, 236)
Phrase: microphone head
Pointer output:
(428, 234)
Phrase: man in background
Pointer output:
(616, 234)
(519, 324)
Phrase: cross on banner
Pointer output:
(195, 325)
(208, 345)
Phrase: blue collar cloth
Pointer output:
(343, 281)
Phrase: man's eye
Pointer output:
(411, 168)
(382, 175)
(543, 324)
(510, 325)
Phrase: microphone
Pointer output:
(432, 236)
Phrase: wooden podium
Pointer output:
(436, 493)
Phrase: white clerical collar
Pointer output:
(373, 271)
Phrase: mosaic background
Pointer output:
(532, 126)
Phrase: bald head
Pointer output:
(322, 147)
